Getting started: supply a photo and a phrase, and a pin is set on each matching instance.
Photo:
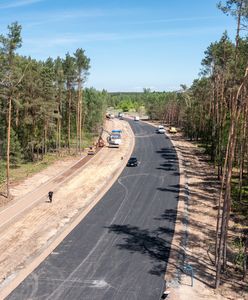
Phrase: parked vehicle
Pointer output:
(132, 162)
(136, 118)
(114, 140)
(92, 150)
(172, 130)
(116, 131)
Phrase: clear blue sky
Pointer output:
(132, 44)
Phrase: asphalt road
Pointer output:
(120, 249)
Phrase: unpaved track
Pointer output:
(16, 209)
(28, 237)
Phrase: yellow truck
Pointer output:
(172, 130)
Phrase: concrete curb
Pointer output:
(10, 284)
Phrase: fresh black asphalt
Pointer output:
(120, 249)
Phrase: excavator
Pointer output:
(100, 142)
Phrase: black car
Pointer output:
(132, 162)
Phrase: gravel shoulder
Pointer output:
(26, 239)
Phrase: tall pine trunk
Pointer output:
(242, 151)
(245, 260)
(69, 120)
(8, 146)
(227, 199)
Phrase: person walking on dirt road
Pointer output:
(50, 196)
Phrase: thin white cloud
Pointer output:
(51, 42)
(56, 16)
(173, 20)
(17, 3)
(182, 32)
(62, 43)
(108, 36)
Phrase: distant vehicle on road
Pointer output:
(160, 129)
(172, 130)
(120, 115)
(136, 118)
(132, 162)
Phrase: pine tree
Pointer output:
(82, 67)
(10, 43)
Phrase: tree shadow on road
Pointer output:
(149, 243)
(145, 242)
(168, 154)
(172, 188)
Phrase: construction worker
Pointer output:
(50, 196)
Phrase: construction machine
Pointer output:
(114, 138)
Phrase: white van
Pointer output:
(160, 129)
(136, 118)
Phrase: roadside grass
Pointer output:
(25, 169)
(2, 172)
(240, 218)
(89, 138)
(240, 208)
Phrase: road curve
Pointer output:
(120, 249)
